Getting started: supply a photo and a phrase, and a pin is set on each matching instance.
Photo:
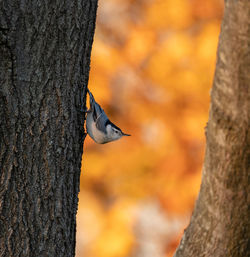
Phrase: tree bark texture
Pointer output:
(45, 51)
(220, 224)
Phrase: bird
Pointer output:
(98, 125)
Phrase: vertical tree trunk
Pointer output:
(220, 225)
(44, 64)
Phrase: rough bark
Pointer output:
(44, 64)
(220, 224)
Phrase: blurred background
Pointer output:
(151, 70)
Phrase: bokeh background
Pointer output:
(151, 70)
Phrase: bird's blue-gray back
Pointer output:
(99, 116)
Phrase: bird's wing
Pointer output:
(101, 121)
(99, 116)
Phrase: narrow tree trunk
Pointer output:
(220, 225)
(44, 64)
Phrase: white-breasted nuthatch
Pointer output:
(98, 125)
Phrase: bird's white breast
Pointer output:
(98, 136)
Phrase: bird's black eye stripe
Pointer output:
(112, 124)
(116, 131)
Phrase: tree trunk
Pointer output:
(220, 224)
(44, 65)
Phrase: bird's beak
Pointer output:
(127, 135)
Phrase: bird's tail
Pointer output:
(91, 99)
(95, 107)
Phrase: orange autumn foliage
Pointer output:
(151, 69)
